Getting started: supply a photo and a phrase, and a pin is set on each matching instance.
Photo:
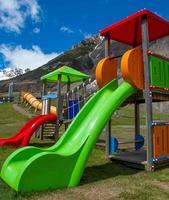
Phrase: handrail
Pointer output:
(158, 56)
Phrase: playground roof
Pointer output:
(128, 30)
(68, 75)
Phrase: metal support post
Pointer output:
(10, 90)
(59, 108)
(108, 126)
(107, 46)
(147, 93)
(137, 118)
(68, 84)
(43, 93)
(44, 88)
(84, 93)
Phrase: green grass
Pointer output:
(101, 179)
(10, 121)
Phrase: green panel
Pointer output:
(159, 70)
(166, 64)
(62, 165)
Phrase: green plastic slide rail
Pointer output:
(62, 165)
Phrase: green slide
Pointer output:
(62, 165)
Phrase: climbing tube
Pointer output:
(34, 102)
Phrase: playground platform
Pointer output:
(136, 159)
(132, 158)
(157, 96)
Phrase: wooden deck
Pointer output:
(157, 96)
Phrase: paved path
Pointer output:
(21, 110)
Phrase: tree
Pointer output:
(27, 70)
(12, 72)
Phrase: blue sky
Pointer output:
(34, 31)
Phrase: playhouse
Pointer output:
(151, 76)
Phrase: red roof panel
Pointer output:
(129, 30)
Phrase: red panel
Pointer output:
(129, 30)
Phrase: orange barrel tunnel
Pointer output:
(34, 102)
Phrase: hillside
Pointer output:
(83, 56)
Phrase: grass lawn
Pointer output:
(101, 180)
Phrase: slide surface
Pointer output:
(22, 138)
(62, 165)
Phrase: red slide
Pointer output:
(22, 138)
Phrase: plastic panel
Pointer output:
(106, 71)
(159, 70)
(73, 108)
(132, 67)
(160, 141)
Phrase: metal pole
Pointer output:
(12, 84)
(9, 90)
(59, 107)
(147, 93)
(44, 88)
(43, 93)
(84, 93)
(107, 46)
(108, 126)
(137, 118)
(67, 103)
(68, 84)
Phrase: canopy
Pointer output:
(128, 30)
(68, 75)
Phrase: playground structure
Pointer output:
(151, 79)
(69, 101)
(64, 75)
(62, 165)
(45, 122)
(9, 97)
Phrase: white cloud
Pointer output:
(69, 30)
(66, 29)
(13, 13)
(85, 34)
(36, 30)
(3, 76)
(19, 57)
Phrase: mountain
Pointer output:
(77, 57)
(82, 56)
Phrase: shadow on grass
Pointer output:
(105, 171)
